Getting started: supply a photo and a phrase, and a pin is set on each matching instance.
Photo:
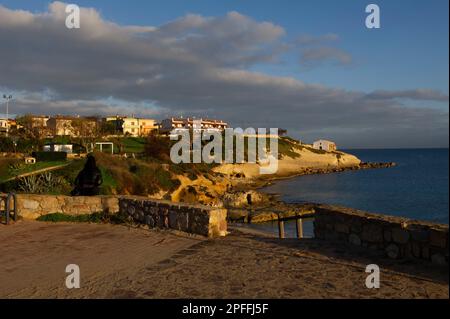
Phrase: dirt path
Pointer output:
(117, 262)
(33, 262)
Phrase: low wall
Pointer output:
(196, 219)
(32, 206)
(397, 237)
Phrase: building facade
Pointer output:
(133, 126)
(324, 145)
(170, 124)
(72, 126)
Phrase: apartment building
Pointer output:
(168, 125)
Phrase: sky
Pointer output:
(311, 67)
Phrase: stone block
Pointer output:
(387, 235)
(416, 251)
(438, 259)
(30, 204)
(438, 238)
(392, 251)
(342, 228)
(354, 239)
(400, 236)
(372, 233)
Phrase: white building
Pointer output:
(4, 125)
(68, 148)
(324, 145)
(134, 126)
(168, 125)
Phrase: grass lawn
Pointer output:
(134, 144)
(7, 172)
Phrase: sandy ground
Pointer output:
(119, 262)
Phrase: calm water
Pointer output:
(416, 188)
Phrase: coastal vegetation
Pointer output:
(142, 166)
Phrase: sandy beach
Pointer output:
(123, 262)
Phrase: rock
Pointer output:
(30, 204)
(416, 250)
(356, 226)
(387, 236)
(372, 233)
(400, 236)
(354, 240)
(419, 233)
(392, 251)
(342, 228)
(438, 259)
(438, 239)
(426, 252)
(237, 215)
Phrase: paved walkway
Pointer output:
(118, 262)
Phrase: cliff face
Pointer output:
(295, 159)
(295, 162)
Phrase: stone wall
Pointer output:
(397, 237)
(32, 206)
(195, 219)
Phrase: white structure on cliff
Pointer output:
(324, 145)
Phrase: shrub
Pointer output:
(157, 147)
(50, 156)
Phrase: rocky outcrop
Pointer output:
(243, 198)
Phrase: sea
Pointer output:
(417, 187)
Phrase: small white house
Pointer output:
(324, 145)
(68, 148)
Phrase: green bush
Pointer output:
(50, 156)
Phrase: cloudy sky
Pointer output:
(311, 67)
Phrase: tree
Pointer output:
(157, 147)
(282, 132)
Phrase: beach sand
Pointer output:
(122, 262)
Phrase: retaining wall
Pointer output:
(397, 237)
(196, 219)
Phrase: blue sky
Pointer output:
(375, 88)
(410, 50)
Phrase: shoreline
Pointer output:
(273, 202)
(266, 181)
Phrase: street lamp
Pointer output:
(7, 98)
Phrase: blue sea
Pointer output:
(416, 188)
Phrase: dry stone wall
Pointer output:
(397, 237)
(196, 219)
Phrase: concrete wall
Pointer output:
(397, 237)
(196, 219)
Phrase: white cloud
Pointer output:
(193, 65)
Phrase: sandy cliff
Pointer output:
(306, 158)
(298, 159)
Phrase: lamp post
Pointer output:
(7, 98)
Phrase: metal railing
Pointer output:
(7, 209)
